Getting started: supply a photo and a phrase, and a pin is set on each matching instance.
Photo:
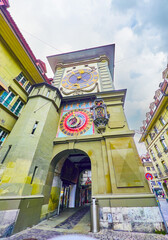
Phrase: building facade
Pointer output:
(71, 127)
(19, 70)
(155, 132)
(154, 184)
(69, 131)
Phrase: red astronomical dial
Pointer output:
(76, 122)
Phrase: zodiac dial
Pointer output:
(76, 121)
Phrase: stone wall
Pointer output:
(7, 222)
(134, 219)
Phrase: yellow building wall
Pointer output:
(162, 131)
(9, 67)
(9, 119)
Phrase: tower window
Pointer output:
(23, 82)
(6, 154)
(28, 88)
(151, 135)
(21, 79)
(163, 143)
(147, 142)
(3, 135)
(34, 172)
(158, 151)
(17, 107)
(153, 183)
(6, 98)
(152, 153)
(164, 165)
(55, 97)
(162, 121)
(156, 130)
(158, 168)
(48, 93)
(34, 127)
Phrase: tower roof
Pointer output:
(84, 54)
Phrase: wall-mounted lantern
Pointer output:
(100, 115)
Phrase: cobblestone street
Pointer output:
(39, 234)
(74, 224)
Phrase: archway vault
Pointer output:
(63, 179)
(95, 149)
(108, 156)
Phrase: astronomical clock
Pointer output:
(84, 72)
(79, 80)
(76, 121)
(77, 74)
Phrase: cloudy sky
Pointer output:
(137, 27)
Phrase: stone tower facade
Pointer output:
(75, 125)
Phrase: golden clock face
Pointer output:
(80, 78)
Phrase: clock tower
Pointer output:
(72, 144)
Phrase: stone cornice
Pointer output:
(96, 137)
(90, 61)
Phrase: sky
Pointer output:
(137, 27)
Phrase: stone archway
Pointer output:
(62, 181)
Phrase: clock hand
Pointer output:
(76, 75)
(87, 72)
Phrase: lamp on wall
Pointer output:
(100, 115)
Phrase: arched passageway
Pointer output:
(69, 178)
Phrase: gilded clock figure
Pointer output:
(80, 78)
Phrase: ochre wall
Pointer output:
(29, 150)
(115, 165)
(9, 67)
